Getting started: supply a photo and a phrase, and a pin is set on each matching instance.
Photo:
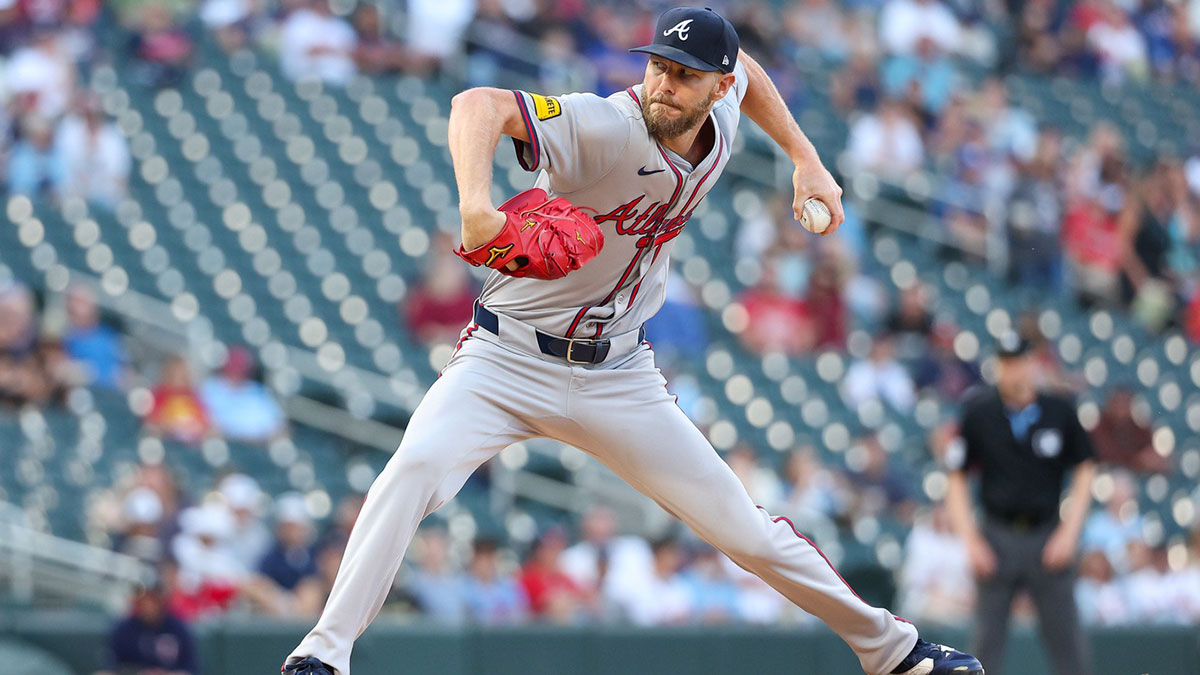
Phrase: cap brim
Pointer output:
(677, 55)
(1012, 353)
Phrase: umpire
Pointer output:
(1022, 443)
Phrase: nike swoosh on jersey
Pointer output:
(643, 172)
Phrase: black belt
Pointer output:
(1021, 521)
(574, 350)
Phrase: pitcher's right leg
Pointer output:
(464, 420)
(625, 417)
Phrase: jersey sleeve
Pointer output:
(576, 138)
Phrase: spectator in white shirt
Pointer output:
(250, 538)
(603, 563)
(1186, 582)
(209, 574)
(314, 43)
(435, 28)
(879, 378)
(586, 561)
(886, 141)
(40, 76)
(903, 23)
(92, 156)
(233, 22)
(1101, 601)
(935, 581)
(1148, 591)
(665, 598)
(1119, 46)
(1010, 129)
(1189, 579)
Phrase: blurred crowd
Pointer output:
(55, 141)
(53, 344)
(920, 84)
(236, 550)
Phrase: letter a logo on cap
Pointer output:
(725, 60)
(682, 28)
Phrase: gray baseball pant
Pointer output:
(491, 395)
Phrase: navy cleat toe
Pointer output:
(309, 666)
(929, 659)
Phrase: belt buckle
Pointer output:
(571, 345)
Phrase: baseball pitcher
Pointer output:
(556, 347)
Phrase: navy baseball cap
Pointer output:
(698, 38)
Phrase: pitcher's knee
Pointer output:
(419, 461)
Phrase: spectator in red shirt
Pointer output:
(1124, 438)
(438, 308)
(776, 322)
(1191, 319)
(551, 593)
(1092, 238)
(178, 412)
(826, 301)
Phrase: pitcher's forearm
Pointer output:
(765, 106)
(474, 131)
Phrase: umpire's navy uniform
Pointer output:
(1022, 458)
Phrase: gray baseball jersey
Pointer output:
(597, 153)
(498, 388)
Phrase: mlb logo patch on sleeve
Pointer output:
(545, 107)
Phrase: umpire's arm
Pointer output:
(763, 104)
(962, 519)
(1059, 551)
(478, 117)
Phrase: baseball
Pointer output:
(815, 217)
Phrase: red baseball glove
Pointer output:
(547, 238)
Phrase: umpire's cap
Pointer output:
(698, 38)
(1011, 344)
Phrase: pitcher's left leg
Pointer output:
(627, 419)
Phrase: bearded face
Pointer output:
(660, 122)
